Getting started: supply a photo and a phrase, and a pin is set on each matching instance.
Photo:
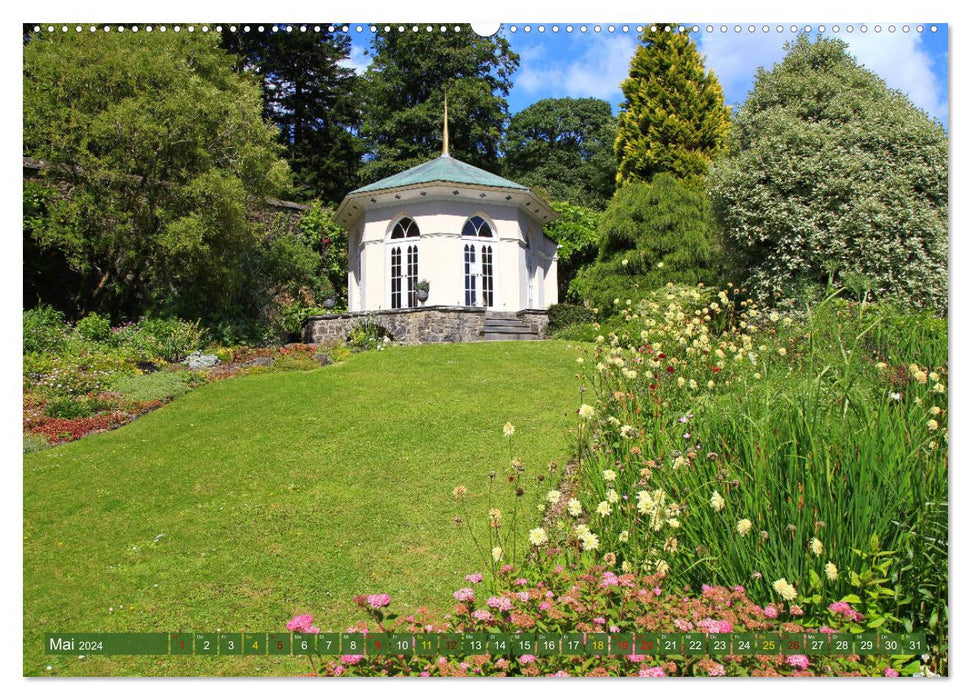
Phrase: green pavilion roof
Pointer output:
(441, 169)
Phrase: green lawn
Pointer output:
(282, 493)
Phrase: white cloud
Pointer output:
(595, 71)
(899, 59)
(357, 61)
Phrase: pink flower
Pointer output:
(521, 582)
(464, 595)
(683, 625)
(636, 658)
(545, 605)
(771, 611)
(502, 663)
(482, 615)
(600, 620)
(716, 670)
(424, 674)
(339, 671)
(313, 629)
(500, 602)
(559, 674)
(890, 673)
(798, 661)
(379, 600)
(473, 578)
(828, 630)
(738, 589)
(558, 569)
(301, 623)
(795, 610)
(614, 629)
(842, 608)
(506, 569)
(464, 665)
(527, 659)
(609, 579)
(657, 591)
(652, 672)
(351, 659)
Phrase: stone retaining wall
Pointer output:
(431, 324)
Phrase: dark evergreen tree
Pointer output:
(313, 98)
(405, 91)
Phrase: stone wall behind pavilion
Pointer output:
(432, 324)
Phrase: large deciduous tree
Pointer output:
(311, 94)
(831, 174)
(405, 87)
(156, 149)
(673, 118)
(564, 147)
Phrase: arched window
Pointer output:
(405, 228)
(478, 227)
(404, 265)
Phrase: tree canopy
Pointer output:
(564, 147)
(673, 118)
(833, 174)
(155, 149)
(405, 93)
(314, 100)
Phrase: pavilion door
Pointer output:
(404, 276)
(487, 275)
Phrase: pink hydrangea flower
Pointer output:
(379, 600)
(614, 629)
(657, 591)
(464, 595)
(424, 674)
(351, 659)
(890, 673)
(636, 658)
(482, 615)
(845, 610)
(301, 623)
(652, 672)
(771, 611)
(339, 671)
(527, 659)
(798, 661)
(474, 578)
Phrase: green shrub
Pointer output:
(586, 332)
(44, 330)
(95, 328)
(70, 408)
(339, 352)
(156, 386)
(155, 339)
(563, 315)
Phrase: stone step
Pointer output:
(509, 336)
(506, 328)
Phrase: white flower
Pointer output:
(553, 496)
(624, 262)
(589, 541)
(574, 508)
(586, 412)
(609, 475)
(496, 553)
(604, 509)
(537, 536)
(744, 526)
(816, 547)
(508, 429)
(717, 502)
(932, 425)
(626, 431)
(612, 496)
(831, 571)
(785, 589)
(624, 536)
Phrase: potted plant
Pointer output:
(421, 289)
(329, 300)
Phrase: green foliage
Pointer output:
(585, 332)
(35, 443)
(296, 362)
(161, 147)
(70, 408)
(166, 339)
(45, 330)
(321, 232)
(312, 97)
(832, 176)
(651, 235)
(95, 328)
(154, 386)
(576, 231)
(368, 335)
(565, 148)
(563, 315)
(673, 119)
(405, 88)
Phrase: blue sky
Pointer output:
(592, 64)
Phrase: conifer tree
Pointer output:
(674, 117)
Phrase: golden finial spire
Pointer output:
(445, 129)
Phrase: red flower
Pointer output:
(716, 368)
(670, 369)
(326, 240)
